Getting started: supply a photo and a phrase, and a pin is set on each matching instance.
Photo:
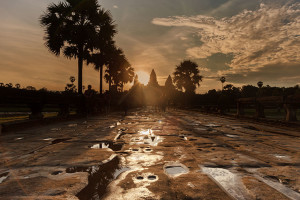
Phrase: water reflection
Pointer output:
(99, 178)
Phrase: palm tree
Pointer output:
(73, 27)
(72, 79)
(102, 58)
(18, 86)
(260, 84)
(119, 70)
(223, 80)
(187, 76)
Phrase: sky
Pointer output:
(245, 41)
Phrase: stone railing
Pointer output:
(36, 101)
(289, 103)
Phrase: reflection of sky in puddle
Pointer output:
(175, 170)
(213, 125)
(146, 132)
(280, 156)
(148, 137)
(232, 136)
(228, 180)
(3, 177)
(100, 146)
(120, 171)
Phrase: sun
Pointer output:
(143, 77)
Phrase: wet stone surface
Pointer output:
(151, 155)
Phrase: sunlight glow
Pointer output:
(143, 77)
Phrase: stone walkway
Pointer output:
(151, 155)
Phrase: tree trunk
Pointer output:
(109, 82)
(80, 64)
(101, 78)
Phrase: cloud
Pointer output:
(281, 74)
(265, 36)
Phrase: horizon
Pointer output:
(244, 41)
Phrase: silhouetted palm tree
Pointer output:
(187, 76)
(223, 80)
(119, 70)
(260, 84)
(72, 79)
(74, 27)
(102, 58)
(9, 85)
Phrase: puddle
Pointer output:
(228, 180)
(152, 177)
(107, 145)
(3, 177)
(56, 173)
(175, 169)
(146, 177)
(183, 137)
(112, 126)
(99, 178)
(280, 156)
(147, 150)
(277, 184)
(56, 141)
(232, 136)
(150, 140)
(119, 123)
(213, 125)
(48, 139)
(135, 150)
(20, 138)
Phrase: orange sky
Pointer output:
(246, 41)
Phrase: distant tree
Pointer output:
(70, 86)
(30, 88)
(112, 62)
(72, 79)
(102, 58)
(228, 87)
(9, 85)
(74, 27)
(119, 70)
(125, 74)
(222, 79)
(249, 91)
(1, 84)
(18, 86)
(260, 84)
(186, 76)
(44, 89)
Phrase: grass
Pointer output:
(22, 117)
